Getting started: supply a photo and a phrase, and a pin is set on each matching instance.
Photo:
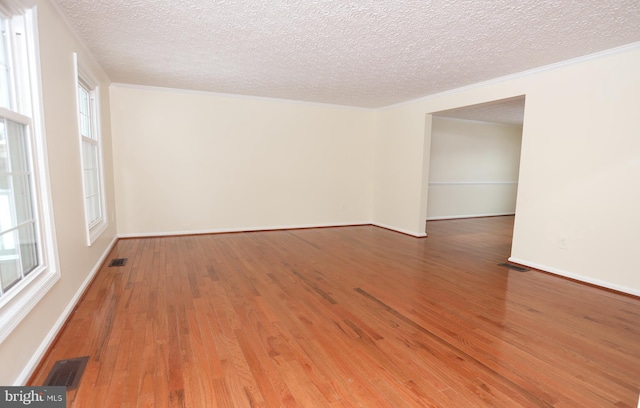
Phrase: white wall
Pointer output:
(400, 171)
(197, 162)
(579, 169)
(20, 352)
(473, 168)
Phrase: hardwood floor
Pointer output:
(347, 317)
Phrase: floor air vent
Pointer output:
(514, 267)
(67, 373)
(118, 262)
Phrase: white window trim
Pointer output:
(98, 227)
(25, 295)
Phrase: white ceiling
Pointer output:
(508, 111)
(366, 53)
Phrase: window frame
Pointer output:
(24, 295)
(85, 79)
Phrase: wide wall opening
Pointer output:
(475, 159)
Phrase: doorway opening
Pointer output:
(474, 160)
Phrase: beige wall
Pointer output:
(25, 345)
(196, 162)
(400, 171)
(473, 168)
(577, 204)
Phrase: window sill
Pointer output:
(16, 305)
(95, 231)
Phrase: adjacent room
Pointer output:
(474, 160)
(321, 203)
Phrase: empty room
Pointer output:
(320, 203)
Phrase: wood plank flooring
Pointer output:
(346, 317)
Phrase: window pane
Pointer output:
(15, 201)
(9, 262)
(22, 197)
(28, 247)
(90, 159)
(91, 182)
(89, 210)
(83, 101)
(93, 208)
(17, 146)
(91, 216)
(7, 212)
(16, 205)
(5, 165)
(90, 155)
(18, 244)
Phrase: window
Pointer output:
(18, 244)
(28, 259)
(91, 151)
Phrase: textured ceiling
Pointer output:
(367, 53)
(508, 111)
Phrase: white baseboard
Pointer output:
(240, 229)
(454, 217)
(577, 277)
(51, 336)
(272, 228)
(404, 231)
